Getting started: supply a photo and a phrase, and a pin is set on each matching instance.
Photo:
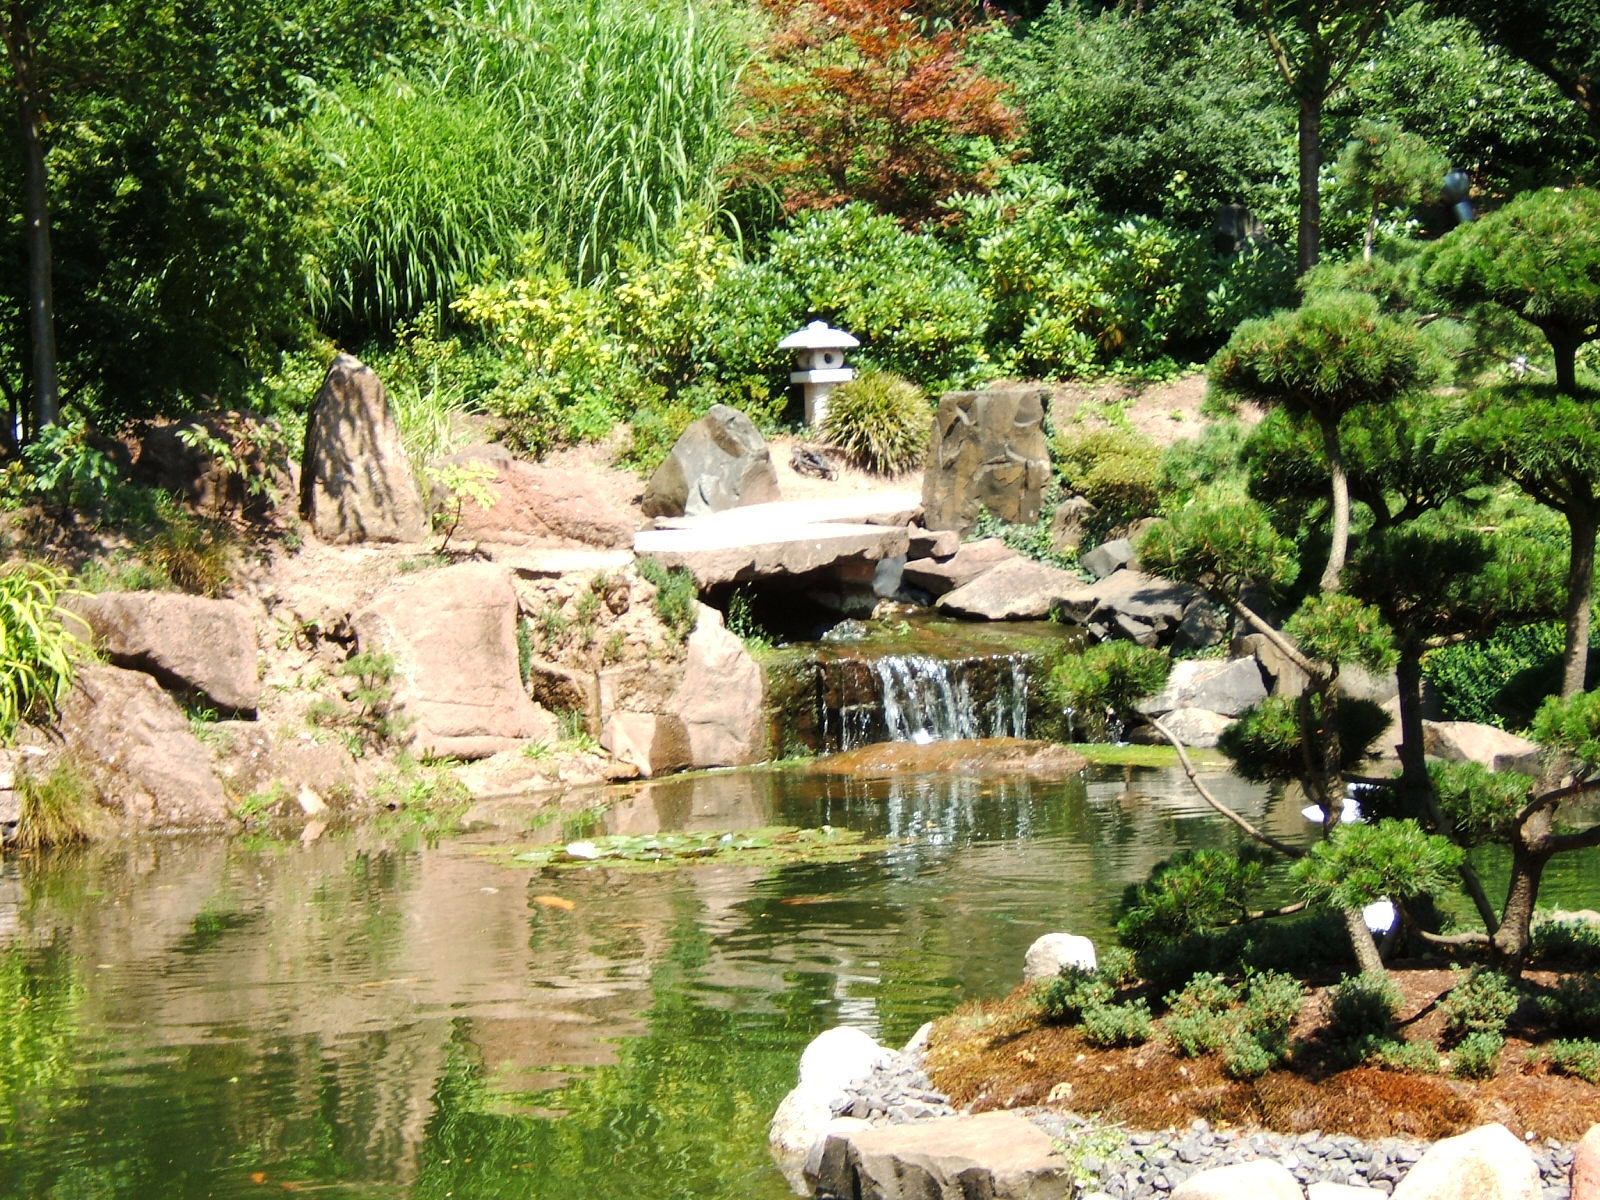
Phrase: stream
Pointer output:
(390, 1011)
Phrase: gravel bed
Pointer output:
(1133, 1165)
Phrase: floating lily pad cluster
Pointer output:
(656, 851)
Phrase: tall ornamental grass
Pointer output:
(38, 652)
(582, 125)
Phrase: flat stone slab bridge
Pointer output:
(844, 537)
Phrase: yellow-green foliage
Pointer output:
(881, 420)
(554, 324)
(37, 649)
(1116, 469)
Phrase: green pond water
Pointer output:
(381, 1013)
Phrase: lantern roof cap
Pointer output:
(819, 335)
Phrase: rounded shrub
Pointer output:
(881, 420)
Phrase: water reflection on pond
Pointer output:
(369, 1015)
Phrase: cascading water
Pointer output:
(920, 698)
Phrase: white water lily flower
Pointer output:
(583, 850)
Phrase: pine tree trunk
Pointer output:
(1530, 850)
(1580, 583)
(1339, 535)
(1366, 950)
(1310, 146)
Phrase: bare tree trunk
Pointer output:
(1583, 525)
(1309, 243)
(1339, 535)
(36, 219)
(1366, 950)
(1530, 850)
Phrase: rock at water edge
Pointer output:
(135, 741)
(452, 635)
(356, 483)
(995, 1155)
(1052, 952)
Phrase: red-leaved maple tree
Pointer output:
(872, 100)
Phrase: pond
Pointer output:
(380, 1013)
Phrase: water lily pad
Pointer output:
(663, 851)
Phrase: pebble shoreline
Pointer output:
(1136, 1165)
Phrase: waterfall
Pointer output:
(919, 698)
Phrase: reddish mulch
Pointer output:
(998, 1054)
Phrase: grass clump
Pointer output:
(58, 807)
(881, 420)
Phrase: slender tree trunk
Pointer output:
(1582, 523)
(1339, 539)
(1408, 675)
(1530, 850)
(1366, 950)
(36, 220)
(1310, 144)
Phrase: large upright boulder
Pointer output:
(989, 452)
(713, 717)
(452, 636)
(355, 482)
(719, 462)
(995, 1155)
(136, 743)
(188, 643)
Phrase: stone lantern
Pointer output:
(819, 356)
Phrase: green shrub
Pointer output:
(1397, 1054)
(1272, 1003)
(1117, 964)
(1477, 1056)
(1580, 1058)
(904, 295)
(1194, 1032)
(1362, 1007)
(676, 595)
(38, 651)
(193, 552)
(1481, 1003)
(881, 420)
(1571, 943)
(1112, 1025)
(1246, 1057)
(1066, 997)
(1574, 1005)
(1116, 470)
(1192, 891)
(1300, 944)
(1500, 679)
